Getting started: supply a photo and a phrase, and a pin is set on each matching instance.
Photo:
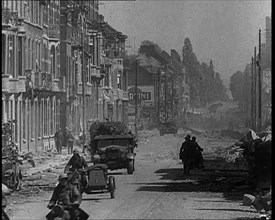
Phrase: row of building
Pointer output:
(163, 87)
(62, 66)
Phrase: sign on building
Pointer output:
(141, 96)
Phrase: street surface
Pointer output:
(158, 189)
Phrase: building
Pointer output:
(163, 92)
(31, 87)
(52, 64)
(114, 84)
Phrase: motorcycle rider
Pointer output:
(5, 191)
(65, 201)
(77, 163)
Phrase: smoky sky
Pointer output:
(224, 31)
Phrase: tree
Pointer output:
(236, 84)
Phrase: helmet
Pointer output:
(62, 176)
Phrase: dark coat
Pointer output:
(58, 137)
(65, 195)
(76, 162)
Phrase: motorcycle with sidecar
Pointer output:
(96, 180)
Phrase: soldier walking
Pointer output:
(58, 138)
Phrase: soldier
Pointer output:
(77, 163)
(199, 157)
(69, 198)
(69, 140)
(58, 138)
(187, 152)
(5, 191)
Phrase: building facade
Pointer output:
(50, 49)
(31, 87)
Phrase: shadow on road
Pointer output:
(219, 176)
(230, 210)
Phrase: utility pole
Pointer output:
(252, 94)
(158, 87)
(136, 132)
(255, 91)
(260, 85)
(172, 99)
(83, 90)
(165, 92)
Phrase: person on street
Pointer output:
(69, 198)
(199, 157)
(5, 191)
(184, 145)
(58, 138)
(188, 154)
(77, 163)
(69, 140)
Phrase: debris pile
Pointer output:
(262, 202)
(108, 128)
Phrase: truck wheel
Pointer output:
(112, 186)
(130, 168)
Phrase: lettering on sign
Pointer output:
(140, 96)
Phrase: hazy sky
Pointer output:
(224, 31)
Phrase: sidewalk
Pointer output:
(48, 166)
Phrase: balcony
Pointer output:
(5, 83)
(54, 31)
(88, 89)
(62, 84)
(55, 86)
(79, 88)
(13, 85)
(22, 84)
(37, 80)
(44, 2)
(46, 81)
(9, 18)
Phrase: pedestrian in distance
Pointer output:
(187, 154)
(69, 140)
(58, 138)
(184, 145)
(199, 157)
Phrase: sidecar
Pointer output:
(99, 181)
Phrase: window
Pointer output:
(33, 54)
(29, 53)
(58, 62)
(4, 47)
(119, 62)
(53, 66)
(45, 118)
(32, 116)
(38, 118)
(119, 80)
(58, 114)
(11, 56)
(51, 116)
(24, 119)
(20, 57)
